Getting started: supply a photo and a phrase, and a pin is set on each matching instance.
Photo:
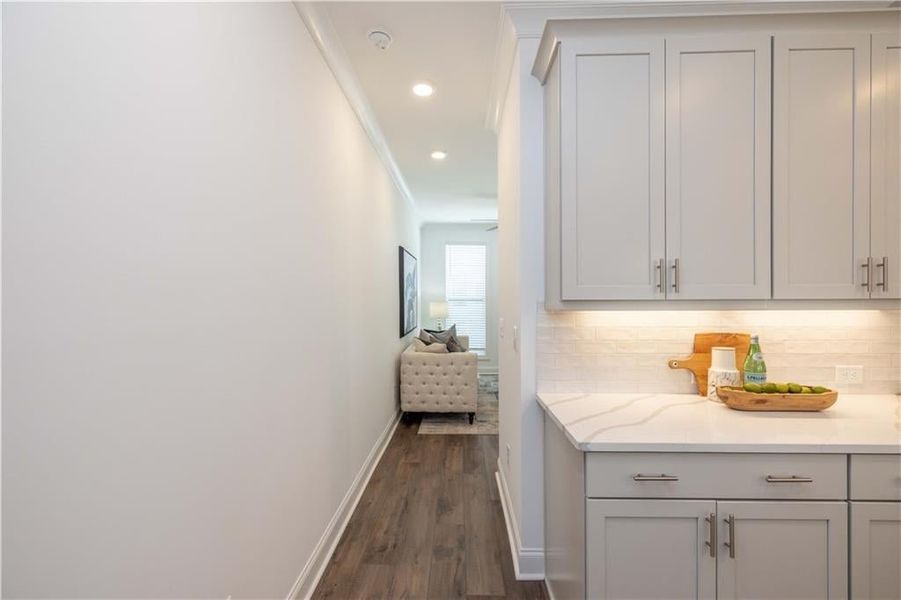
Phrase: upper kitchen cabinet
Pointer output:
(611, 146)
(821, 166)
(741, 158)
(718, 166)
(885, 191)
(658, 168)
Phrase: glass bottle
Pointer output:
(754, 368)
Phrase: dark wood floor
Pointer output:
(429, 525)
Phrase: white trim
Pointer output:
(502, 69)
(321, 29)
(520, 20)
(1, 310)
(528, 563)
(550, 592)
(311, 573)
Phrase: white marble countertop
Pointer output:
(687, 423)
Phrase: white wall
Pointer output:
(521, 260)
(434, 237)
(200, 299)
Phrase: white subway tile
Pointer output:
(628, 350)
(848, 346)
(557, 347)
(804, 347)
(616, 333)
(885, 347)
(595, 347)
(881, 374)
(544, 333)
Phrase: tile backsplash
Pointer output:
(626, 351)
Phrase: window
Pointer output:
(464, 283)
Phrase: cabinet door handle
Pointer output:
(883, 270)
(661, 477)
(711, 540)
(660, 268)
(867, 271)
(792, 479)
(731, 543)
(676, 275)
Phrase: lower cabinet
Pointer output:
(650, 549)
(875, 550)
(730, 526)
(708, 549)
(782, 550)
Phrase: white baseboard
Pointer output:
(309, 577)
(528, 563)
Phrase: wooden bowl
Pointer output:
(738, 399)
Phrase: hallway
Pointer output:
(429, 525)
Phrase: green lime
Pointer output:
(818, 389)
(794, 388)
(782, 388)
(752, 387)
(769, 388)
(806, 390)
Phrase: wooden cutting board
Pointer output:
(699, 361)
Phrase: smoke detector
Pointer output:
(380, 39)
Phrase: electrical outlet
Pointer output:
(508, 455)
(852, 374)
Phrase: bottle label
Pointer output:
(755, 377)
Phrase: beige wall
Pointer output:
(200, 299)
(627, 351)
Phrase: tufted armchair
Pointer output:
(439, 382)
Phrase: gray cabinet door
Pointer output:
(612, 171)
(718, 166)
(821, 165)
(649, 549)
(782, 550)
(875, 550)
(886, 171)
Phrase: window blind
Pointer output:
(465, 273)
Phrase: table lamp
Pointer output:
(438, 311)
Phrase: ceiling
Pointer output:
(451, 45)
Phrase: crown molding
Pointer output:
(523, 20)
(326, 38)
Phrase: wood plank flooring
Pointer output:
(429, 525)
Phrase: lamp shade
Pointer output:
(438, 310)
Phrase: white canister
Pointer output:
(722, 370)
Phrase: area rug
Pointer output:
(458, 423)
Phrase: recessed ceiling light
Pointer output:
(439, 154)
(423, 89)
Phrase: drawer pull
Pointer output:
(661, 477)
(792, 479)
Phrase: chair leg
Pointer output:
(472, 417)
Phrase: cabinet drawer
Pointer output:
(747, 476)
(875, 477)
